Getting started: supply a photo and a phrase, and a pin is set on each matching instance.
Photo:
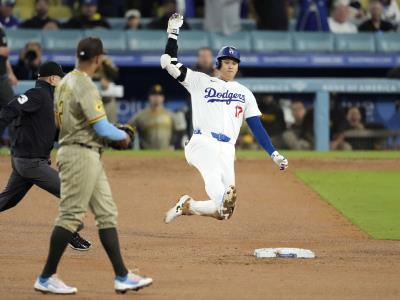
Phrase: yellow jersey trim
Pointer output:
(91, 122)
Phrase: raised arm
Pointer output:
(169, 60)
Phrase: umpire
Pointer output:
(6, 92)
(6, 74)
(35, 131)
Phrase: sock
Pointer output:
(58, 242)
(203, 208)
(121, 278)
(109, 240)
(42, 279)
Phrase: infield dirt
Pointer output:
(202, 258)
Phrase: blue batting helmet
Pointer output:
(227, 52)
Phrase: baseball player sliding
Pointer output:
(219, 105)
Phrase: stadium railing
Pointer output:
(247, 41)
(258, 48)
(321, 88)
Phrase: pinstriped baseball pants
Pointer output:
(84, 185)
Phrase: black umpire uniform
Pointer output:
(6, 92)
(35, 131)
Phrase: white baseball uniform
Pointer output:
(218, 110)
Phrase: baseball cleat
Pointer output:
(132, 282)
(181, 207)
(53, 285)
(78, 243)
(228, 204)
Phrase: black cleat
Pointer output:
(78, 243)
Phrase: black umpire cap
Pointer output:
(50, 68)
(89, 47)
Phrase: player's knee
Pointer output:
(69, 222)
(107, 220)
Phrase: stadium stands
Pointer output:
(62, 40)
(360, 42)
(246, 41)
(271, 41)
(146, 40)
(113, 40)
(313, 42)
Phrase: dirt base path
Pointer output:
(202, 258)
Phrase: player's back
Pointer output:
(78, 105)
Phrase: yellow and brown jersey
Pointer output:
(155, 128)
(78, 106)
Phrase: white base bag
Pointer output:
(283, 252)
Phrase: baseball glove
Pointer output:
(121, 145)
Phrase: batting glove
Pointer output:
(174, 23)
(280, 160)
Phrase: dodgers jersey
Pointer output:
(219, 106)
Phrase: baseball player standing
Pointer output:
(219, 107)
(84, 184)
(34, 135)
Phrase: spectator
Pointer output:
(391, 12)
(356, 12)
(89, 17)
(51, 25)
(354, 118)
(339, 22)
(29, 61)
(294, 137)
(112, 9)
(375, 23)
(7, 19)
(270, 14)
(107, 74)
(354, 123)
(204, 61)
(222, 16)
(133, 20)
(41, 18)
(154, 124)
(313, 16)
(272, 119)
(337, 127)
(168, 8)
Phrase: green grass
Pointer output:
(371, 200)
(262, 154)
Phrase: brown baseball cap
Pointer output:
(89, 47)
(156, 89)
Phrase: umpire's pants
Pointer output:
(27, 172)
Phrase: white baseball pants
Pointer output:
(215, 162)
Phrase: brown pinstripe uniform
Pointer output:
(83, 180)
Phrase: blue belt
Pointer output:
(218, 136)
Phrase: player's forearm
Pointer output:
(169, 61)
(260, 134)
(106, 130)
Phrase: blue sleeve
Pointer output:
(260, 134)
(106, 130)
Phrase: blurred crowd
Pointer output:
(224, 16)
(290, 126)
(290, 123)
